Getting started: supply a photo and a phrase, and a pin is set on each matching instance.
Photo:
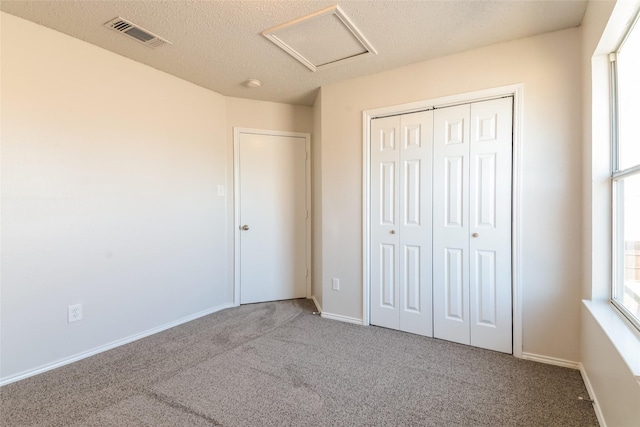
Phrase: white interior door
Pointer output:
(272, 216)
(440, 223)
(401, 151)
(385, 157)
(472, 224)
(490, 222)
(451, 224)
(415, 257)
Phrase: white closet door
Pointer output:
(385, 157)
(416, 143)
(401, 151)
(490, 215)
(451, 224)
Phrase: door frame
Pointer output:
(236, 201)
(517, 91)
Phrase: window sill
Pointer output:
(620, 332)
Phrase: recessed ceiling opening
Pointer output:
(322, 39)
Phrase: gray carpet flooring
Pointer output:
(276, 364)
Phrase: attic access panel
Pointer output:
(321, 39)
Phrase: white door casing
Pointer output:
(401, 222)
(271, 188)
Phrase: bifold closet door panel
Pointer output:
(451, 224)
(385, 158)
(441, 223)
(490, 221)
(401, 257)
(415, 233)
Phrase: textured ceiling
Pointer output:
(219, 45)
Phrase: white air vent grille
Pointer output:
(136, 32)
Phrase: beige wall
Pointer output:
(549, 67)
(267, 115)
(602, 335)
(110, 171)
(617, 391)
(109, 175)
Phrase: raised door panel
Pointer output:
(387, 275)
(388, 194)
(412, 181)
(412, 283)
(453, 187)
(490, 212)
(385, 160)
(415, 223)
(454, 285)
(451, 224)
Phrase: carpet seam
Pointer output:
(166, 400)
(171, 375)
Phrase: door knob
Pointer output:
(474, 235)
(393, 232)
(244, 227)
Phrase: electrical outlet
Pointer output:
(335, 284)
(75, 313)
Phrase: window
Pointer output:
(625, 177)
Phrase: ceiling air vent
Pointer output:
(136, 32)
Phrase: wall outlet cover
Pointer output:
(74, 313)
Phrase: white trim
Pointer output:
(366, 228)
(592, 396)
(236, 215)
(317, 304)
(551, 360)
(307, 168)
(517, 91)
(236, 202)
(341, 318)
(110, 346)
(516, 226)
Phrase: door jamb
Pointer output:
(517, 91)
(236, 202)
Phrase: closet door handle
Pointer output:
(393, 232)
(474, 235)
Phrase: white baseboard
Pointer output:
(592, 396)
(551, 360)
(68, 360)
(345, 319)
(318, 306)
